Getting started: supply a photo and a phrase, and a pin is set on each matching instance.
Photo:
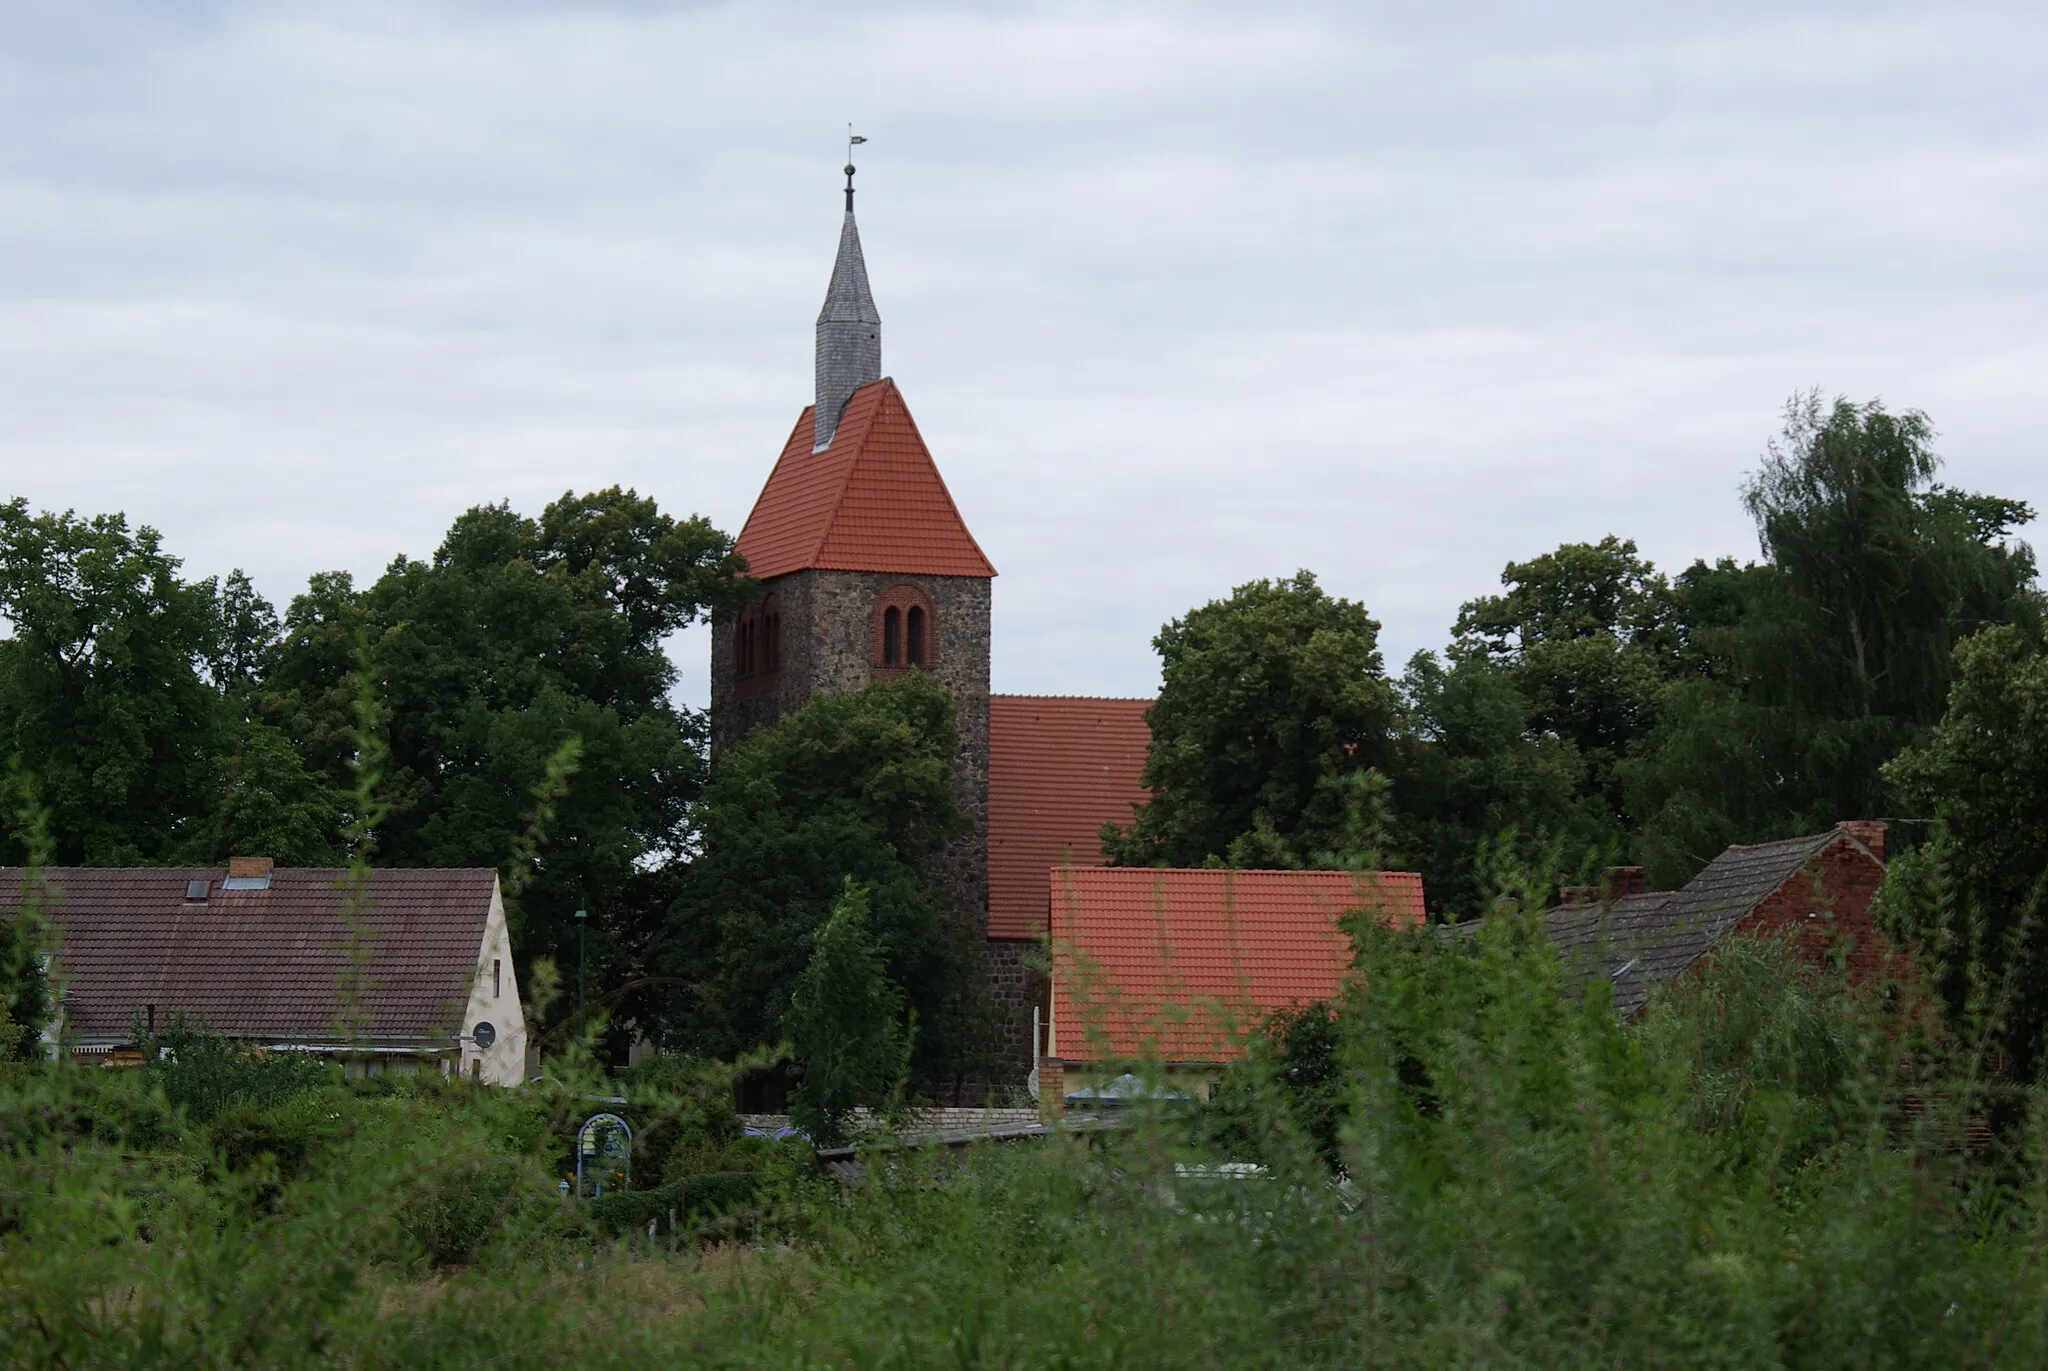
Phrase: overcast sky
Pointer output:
(1180, 294)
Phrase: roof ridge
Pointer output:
(1105, 699)
(856, 436)
(1118, 871)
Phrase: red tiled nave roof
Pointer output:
(1059, 767)
(1179, 963)
(871, 501)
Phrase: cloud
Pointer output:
(1180, 294)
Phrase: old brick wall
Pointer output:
(1052, 1088)
(1827, 905)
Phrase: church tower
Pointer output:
(866, 569)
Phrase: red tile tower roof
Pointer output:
(873, 500)
(1059, 768)
(1180, 963)
(264, 963)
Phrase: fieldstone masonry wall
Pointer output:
(1017, 986)
(828, 626)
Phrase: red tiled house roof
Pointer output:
(1178, 963)
(1059, 768)
(263, 963)
(873, 500)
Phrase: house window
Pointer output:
(906, 630)
(497, 985)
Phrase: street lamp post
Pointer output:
(582, 921)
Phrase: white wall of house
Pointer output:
(494, 999)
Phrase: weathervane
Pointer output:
(852, 138)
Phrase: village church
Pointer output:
(867, 570)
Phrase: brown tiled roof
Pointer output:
(871, 501)
(263, 963)
(1177, 962)
(1641, 941)
(1059, 768)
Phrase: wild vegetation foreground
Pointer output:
(1473, 1164)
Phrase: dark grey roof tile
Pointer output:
(269, 962)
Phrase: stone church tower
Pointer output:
(865, 566)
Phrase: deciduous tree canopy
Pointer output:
(851, 787)
(518, 635)
(125, 703)
(1267, 702)
(1976, 894)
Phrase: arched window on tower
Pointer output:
(757, 647)
(906, 629)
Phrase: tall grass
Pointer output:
(1771, 1168)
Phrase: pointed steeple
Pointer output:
(849, 330)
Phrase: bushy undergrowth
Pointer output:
(1467, 1162)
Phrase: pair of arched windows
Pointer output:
(906, 632)
(757, 638)
(903, 634)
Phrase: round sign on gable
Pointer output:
(484, 1034)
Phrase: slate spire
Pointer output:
(849, 330)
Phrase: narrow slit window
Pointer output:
(892, 636)
(497, 981)
(913, 635)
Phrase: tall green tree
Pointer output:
(126, 695)
(854, 787)
(1835, 652)
(517, 635)
(1976, 895)
(1472, 775)
(1268, 702)
(849, 1032)
(1520, 735)
(1586, 634)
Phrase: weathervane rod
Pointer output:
(851, 139)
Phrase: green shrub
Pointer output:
(247, 1134)
(691, 1198)
(684, 1116)
(204, 1074)
(73, 1105)
(455, 1212)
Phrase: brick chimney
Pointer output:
(1624, 881)
(248, 873)
(1869, 832)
